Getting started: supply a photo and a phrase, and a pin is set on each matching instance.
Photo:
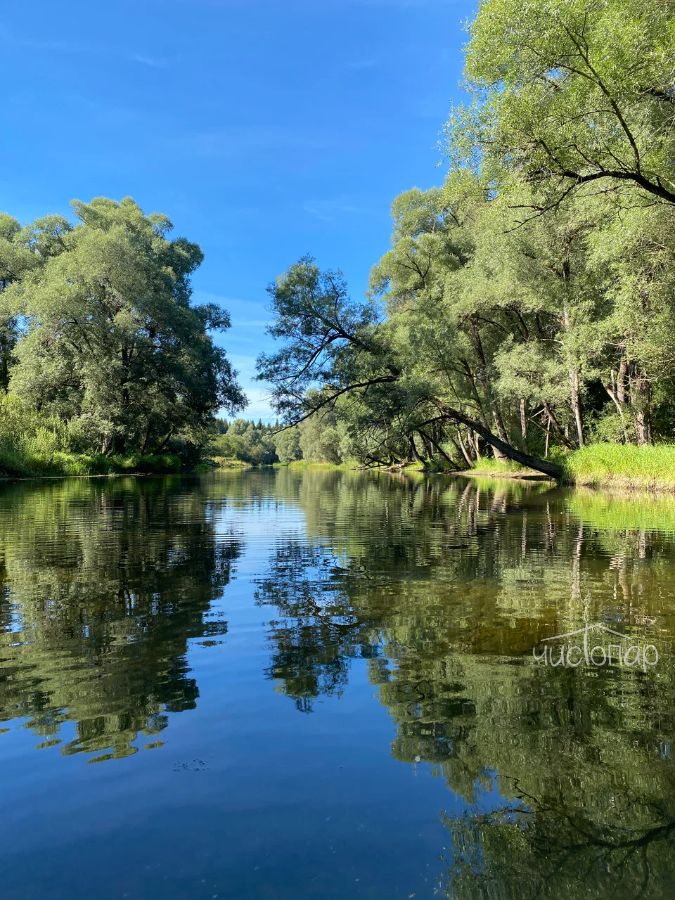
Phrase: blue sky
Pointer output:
(265, 129)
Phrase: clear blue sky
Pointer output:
(265, 129)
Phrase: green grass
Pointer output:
(229, 462)
(18, 464)
(309, 464)
(622, 466)
(504, 468)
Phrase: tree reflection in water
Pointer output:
(439, 588)
(104, 583)
(446, 590)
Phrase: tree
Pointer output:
(572, 93)
(335, 349)
(320, 438)
(287, 444)
(250, 442)
(112, 343)
(21, 250)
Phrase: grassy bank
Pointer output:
(36, 446)
(328, 466)
(498, 468)
(229, 462)
(624, 466)
(14, 464)
(600, 465)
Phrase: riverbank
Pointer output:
(600, 466)
(622, 466)
(497, 468)
(222, 462)
(607, 466)
(59, 464)
(611, 466)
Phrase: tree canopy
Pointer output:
(573, 92)
(98, 329)
(526, 305)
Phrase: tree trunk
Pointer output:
(575, 402)
(413, 449)
(640, 398)
(438, 447)
(488, 393)
(573, 370)
(533, 462)
(557, 427)
(617, 393)
(465, 452)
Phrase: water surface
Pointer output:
(283, 684)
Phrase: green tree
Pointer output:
(338, 351)
(21, 250)
(287, 444)
(113, 344)
(572, 93)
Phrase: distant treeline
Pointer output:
(526, 306)
(315, 440)
(104, 361)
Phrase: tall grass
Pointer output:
(622, 465)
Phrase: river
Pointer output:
(306, 683)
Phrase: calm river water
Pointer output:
(288, 684)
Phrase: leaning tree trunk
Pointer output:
(533, 462)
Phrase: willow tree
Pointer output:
(112, 343)
(22, 250)
(572, 93)
(335, 350)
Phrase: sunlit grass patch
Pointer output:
(622, 464)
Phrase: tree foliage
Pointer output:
(99, 331)
(526, 306)
(571, 93)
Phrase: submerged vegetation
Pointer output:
(526, 308)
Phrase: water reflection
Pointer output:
(104, 582)
(446, 590)
(559, 781)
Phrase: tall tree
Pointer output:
(336, 350)
(112, 341)
(573, 92)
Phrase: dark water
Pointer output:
(280, 684)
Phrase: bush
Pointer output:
(35, 445)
